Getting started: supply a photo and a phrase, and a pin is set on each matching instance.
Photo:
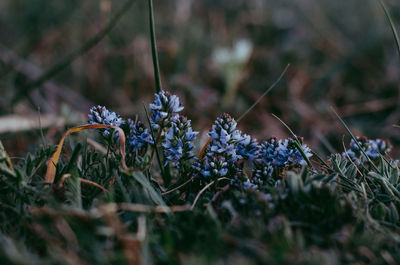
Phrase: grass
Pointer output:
(85, 206)
(342, 215)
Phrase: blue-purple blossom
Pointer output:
(178, 141)
(261, 172)
(101, 115)
(213, 167)
(221, 153)
(225, 138)
(283, 152)
(372, 148)
(275, 152)
(248, 148)
(139, 136)
(250, 185)
(163, 107)
(376, 147)
(295, 157)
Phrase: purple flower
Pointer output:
(225, 138)
(248, 148)
(372, 148)
(163, 107)
(214, 167)
(275, 152)
(295, 157)
(376, 147)
(139, 136)
(101, 115)
(261, 172)
(178, 141)
(283, 152)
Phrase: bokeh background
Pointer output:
(219, 56)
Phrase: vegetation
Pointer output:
(148, 189)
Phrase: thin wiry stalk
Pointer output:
(264, 94)
(355, 140)
(60, 66)
(392, 26)
(296, 141)
(203, 149)
(154, 48)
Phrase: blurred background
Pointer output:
(218, 56)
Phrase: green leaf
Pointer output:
(74, 185)
(154, 195)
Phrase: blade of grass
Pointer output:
(154, 53)
(392, 26)
(41, 129)
(155, 196)
(203, 149)
(321, 160)
(296, 141)
(265, 93)
(355, 140)
(60, 66)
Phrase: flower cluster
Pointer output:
(279, 153)
(101, 115)
(225, 138)
(276, 154)
(227, 151)
(139, 137)
(163, 108)
(228, 146)
(248, 148)
(175, 135)
(222, 152)
(178, 141)
(372, 148)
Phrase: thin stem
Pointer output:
(355, 140)
(76, 53)
(154, 48)
(203, 149)
(201, 192)
(264, 94)
(177, 188)
(204, 189)
(392, 26)
(296, 142)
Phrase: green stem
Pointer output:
(154, 48)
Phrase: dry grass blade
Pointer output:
(201, 192)
(141, 208)
(203, 149)
(85, 181)
(4, 156)
(53, 161)
(177, 188)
